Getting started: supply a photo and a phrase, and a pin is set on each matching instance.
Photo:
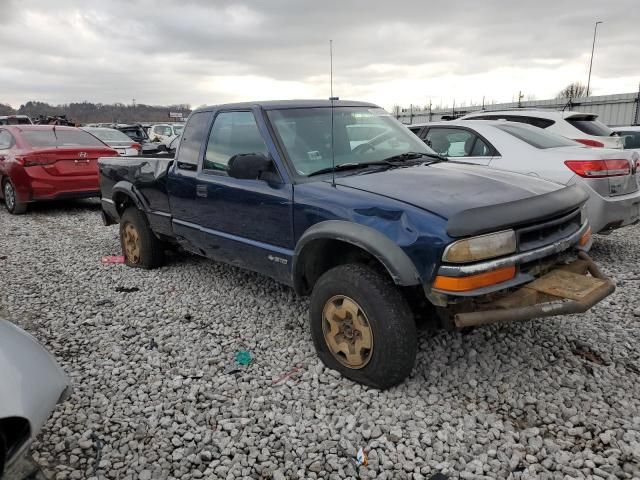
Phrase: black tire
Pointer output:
(150, 250)
(11, 203)
(392, 324)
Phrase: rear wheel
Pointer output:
(362, 326)
(11, 202)
(140, 247)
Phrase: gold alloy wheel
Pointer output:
(347, 332)
(131, 243)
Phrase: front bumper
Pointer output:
(566, 289)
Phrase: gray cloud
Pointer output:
(177, 51)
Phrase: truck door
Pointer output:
(243, 222)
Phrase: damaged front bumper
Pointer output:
(565, 289)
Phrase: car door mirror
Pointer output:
(248, 166)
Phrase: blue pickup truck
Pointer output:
(343, 203)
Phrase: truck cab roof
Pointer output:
(287, 104)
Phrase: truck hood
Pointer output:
(446, 189)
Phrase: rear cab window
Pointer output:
(60, 138)
(195, 132)
(535, 138)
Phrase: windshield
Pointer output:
(535, 137)
(361, 135)
(60, 138)
(109, 135)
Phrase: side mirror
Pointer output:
(248, 166)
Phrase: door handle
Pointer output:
(201, 191)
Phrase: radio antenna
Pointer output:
(332, 98)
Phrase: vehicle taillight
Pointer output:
(34, 160)
(136, 146)
(599, 168)
(589, 143)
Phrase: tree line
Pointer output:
(87, 112)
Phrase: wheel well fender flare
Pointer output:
(386, 251)
(127, 190)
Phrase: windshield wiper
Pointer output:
(341, 167)
(392, 161)
(403, 157)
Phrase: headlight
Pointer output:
(481, 247)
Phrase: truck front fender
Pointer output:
(389, 254)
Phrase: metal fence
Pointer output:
(614, 110)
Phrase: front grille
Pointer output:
(541, 234)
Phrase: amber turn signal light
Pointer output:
(473, 282)
(586, 236)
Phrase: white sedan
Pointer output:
(608, 176)
(582, 127)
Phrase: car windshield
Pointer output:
(361, 135)
(109, 135)
(590, 126)
(60, 138)
(535, 137)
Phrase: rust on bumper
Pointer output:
(567, 289)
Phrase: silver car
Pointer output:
(608, 176)
(31, 385)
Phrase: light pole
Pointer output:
(595, 29)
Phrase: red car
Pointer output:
(45, 162)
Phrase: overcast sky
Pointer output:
(389, 52)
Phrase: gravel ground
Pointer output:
(158, 395)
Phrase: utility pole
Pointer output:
(636, 116)
(520, 97)
(593, 47)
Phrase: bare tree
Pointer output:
(573, 90)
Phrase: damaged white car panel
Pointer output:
(31, 385)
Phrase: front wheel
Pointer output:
(11, 202)
(140, 247)
(362, 326)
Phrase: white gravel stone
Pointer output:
(157, 394)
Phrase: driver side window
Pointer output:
(232, 133)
